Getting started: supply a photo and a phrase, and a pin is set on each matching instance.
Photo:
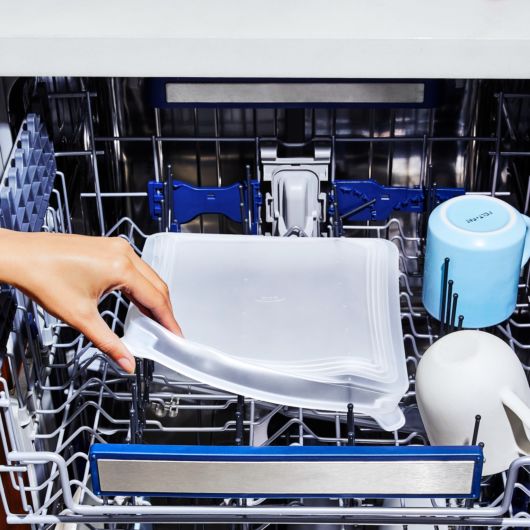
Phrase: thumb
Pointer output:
(96, 330)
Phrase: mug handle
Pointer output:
(521, 411)
(526, 248)
(517, 406)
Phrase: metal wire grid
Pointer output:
(67, 395)
(95, 146)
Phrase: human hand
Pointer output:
(68, 274)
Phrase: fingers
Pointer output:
(96, 330)
(141, 285)
(149, 272)
(150, 299)
(143, 267)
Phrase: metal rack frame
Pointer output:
(64, 395)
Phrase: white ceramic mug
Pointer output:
(468, 373)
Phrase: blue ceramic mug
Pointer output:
(487, 242)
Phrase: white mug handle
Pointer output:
(517, 406)
(526, 248)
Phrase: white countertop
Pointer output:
(273, 38)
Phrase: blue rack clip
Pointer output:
(188, 202)
(366, 200)
(27, 182)
(284, 472)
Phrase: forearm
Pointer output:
(15, 248)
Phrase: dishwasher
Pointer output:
(134, 156)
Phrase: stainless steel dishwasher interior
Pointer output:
(60, 395)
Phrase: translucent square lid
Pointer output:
(323, 311)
